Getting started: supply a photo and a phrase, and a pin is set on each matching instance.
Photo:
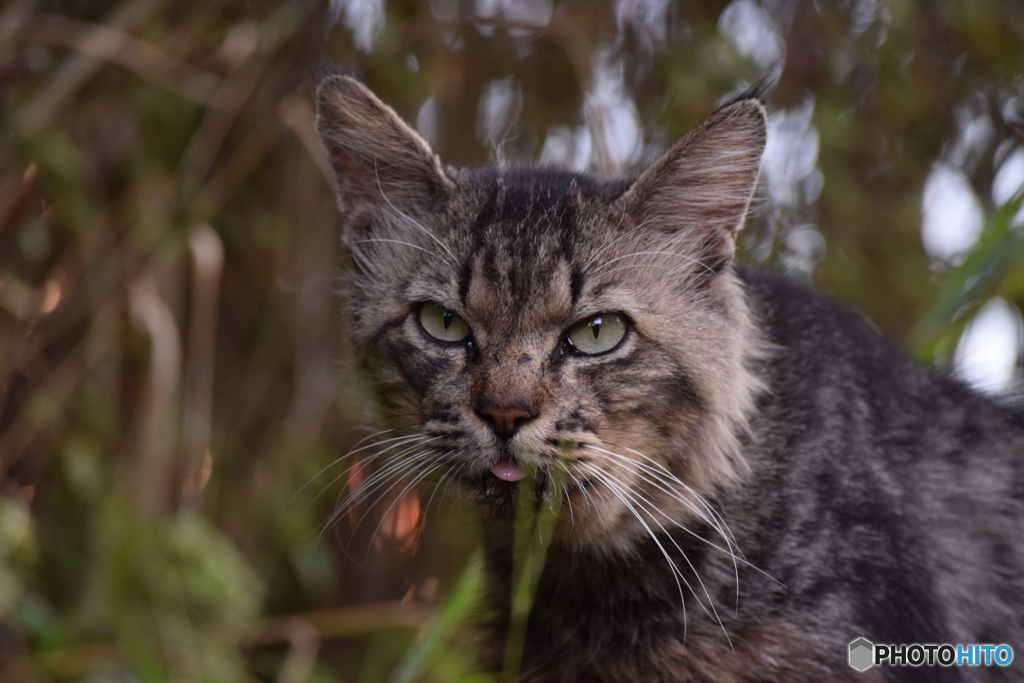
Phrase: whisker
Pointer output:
(648, 472)
(673, 478)
(364, 462)
(617, 239)
(408, 218)
(394, 474)
(647, 505)
(654, 253)
(410, 465)
(331, 524)
(365, 489)
(642, 265)
(407, 244)
(398, 498)
(676, 574)
(582, 488)
(565, 493)
(661, 473)
(447, 483)
(722, 527)
(350, 453)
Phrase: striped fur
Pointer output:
(752, 480)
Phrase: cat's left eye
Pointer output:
(442, 323)
(598, 333)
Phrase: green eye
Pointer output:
(441, 323)
(598, 333)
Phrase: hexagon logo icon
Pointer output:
(862, 654)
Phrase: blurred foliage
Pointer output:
(175, 388)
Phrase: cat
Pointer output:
(752, 479)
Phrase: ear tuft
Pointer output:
(376, 157)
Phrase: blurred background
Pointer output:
(175, 387)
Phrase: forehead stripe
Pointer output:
(485, 216)
(575, 284)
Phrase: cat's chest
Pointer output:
(644, 622)
(598, 623)
(655, 643)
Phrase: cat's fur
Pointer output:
(809, 484)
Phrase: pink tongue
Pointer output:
(507, 470)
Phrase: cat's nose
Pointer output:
(505, 420)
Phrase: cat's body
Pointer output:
(753, 479)
(884, 501)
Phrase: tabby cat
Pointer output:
(752, 478)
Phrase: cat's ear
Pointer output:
(700, 189)
(377, 159)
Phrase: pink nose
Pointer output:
(505, 420)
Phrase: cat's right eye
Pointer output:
(442, 323)
(597, 334)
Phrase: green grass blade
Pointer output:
(442, 625)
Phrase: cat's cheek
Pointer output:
(416, 364)
(600, 518)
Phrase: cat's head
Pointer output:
(524, 320)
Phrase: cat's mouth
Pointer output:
(507, 469)
(494, 495)
(495, 489)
